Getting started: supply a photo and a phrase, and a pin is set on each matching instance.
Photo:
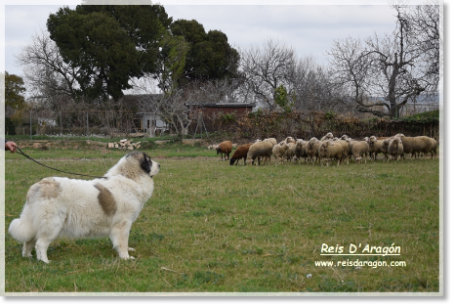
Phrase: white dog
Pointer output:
(61, 207)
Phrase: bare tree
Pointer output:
(426, 31)
(175, 110)
(385, 73)
(398, 72)
(350, 71)
(264, 69)
(312, 87)
(46, 74)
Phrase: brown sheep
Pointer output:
(240, 153)
(225, 148)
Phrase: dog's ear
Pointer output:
(146, 163)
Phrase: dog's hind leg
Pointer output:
(119, 236)
(41, 249)
(28, 247)
(49, 231)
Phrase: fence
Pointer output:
(90, 122)
(313, 124)
(247, 126)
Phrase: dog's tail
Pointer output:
(22, 230)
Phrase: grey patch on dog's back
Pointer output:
(47, 188)
(106, 200)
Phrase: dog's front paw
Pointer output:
(131, 249)
(127, 257)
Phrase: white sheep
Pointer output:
(279, 151)
(358, 149)
(289, 139)
(345, 149)
(345, 137)
(433, 147)
(331, 150)
(290, 153)
(329, 135)
(300, 150)
(376, 147)
(422, 145)
(312, 149)
(407, 143)
(395, 147)
(259, 150)
(271, 140)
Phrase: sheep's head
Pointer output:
(324, 147)
(289, 139)
(312, 142)
(366, 139)
(329, 135)
(372, 139)
(395, 142)
(344, 137)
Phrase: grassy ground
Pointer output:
(219, 228)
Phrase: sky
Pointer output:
(309, 29)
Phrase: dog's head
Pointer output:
(134, 166)
(144, 161)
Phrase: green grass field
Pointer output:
(211, 227)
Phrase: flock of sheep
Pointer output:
(328, 149)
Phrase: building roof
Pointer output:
(223, 105)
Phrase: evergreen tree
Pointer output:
(109, 44)
(210, 55)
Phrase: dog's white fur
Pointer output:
(61, 207)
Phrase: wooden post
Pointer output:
(30, 124)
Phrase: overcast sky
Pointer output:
(309, 29)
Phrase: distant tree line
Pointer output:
(91, 55)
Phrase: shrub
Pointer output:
(9, 127)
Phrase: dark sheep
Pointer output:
(225, 148)
(240, 153)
